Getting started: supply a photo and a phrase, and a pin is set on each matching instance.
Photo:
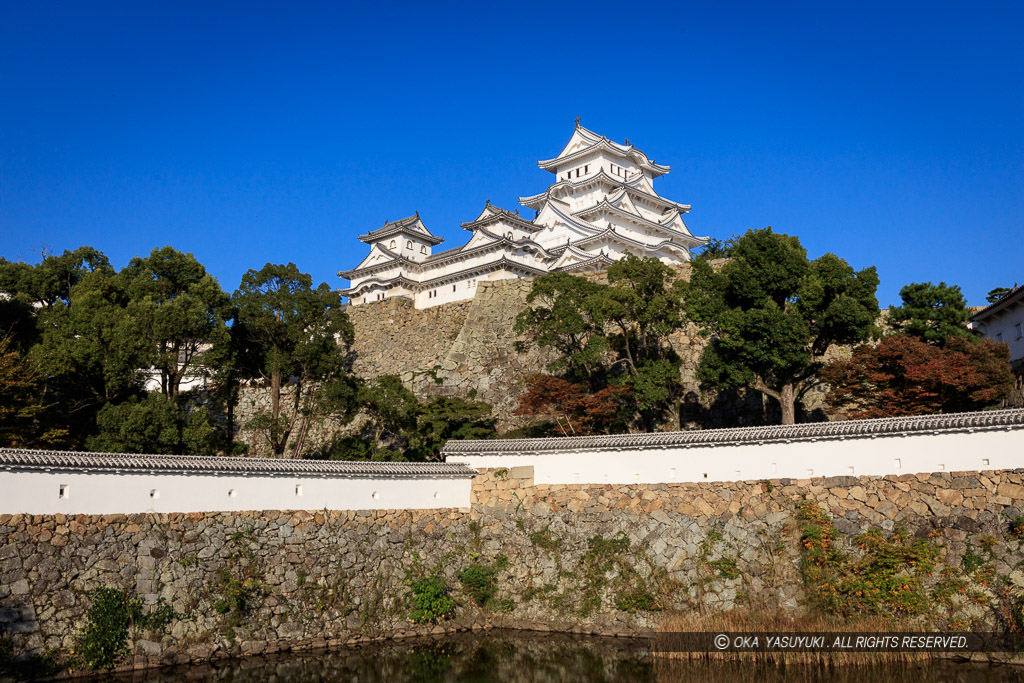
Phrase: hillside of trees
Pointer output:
(154, 357)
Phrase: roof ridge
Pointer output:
(26, 458)
(986, 419)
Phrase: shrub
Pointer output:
(544, 539)
(104, 640)
(1017, 527)
(430, 600)
(726, 567)
(480, 580)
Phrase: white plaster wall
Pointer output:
(1005, 325)
(883, 455)
(99, 493)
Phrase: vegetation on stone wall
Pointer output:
(905, 577)
(430, 600)
(479, 579)
(112, 617)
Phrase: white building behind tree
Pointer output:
(601, 207)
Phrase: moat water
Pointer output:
(531, 657)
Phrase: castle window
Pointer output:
(408, 244)
(392, 246)
(453, 288)
(586, 169)
(509, 234)
(423, 249)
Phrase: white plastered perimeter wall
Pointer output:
(50, 482)
(964, 442)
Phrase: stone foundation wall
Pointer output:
(604, 559)
(468, 348)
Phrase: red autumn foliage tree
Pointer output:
(905, 376)
(571, 408)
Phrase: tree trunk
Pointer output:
(787, 400)
(275, 394)
(275, 412)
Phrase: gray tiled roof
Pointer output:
(995, 419)
(25, 459)
(1015, 295)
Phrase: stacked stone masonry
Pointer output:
(322, 579)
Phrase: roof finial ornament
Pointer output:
(488, 202)
(577, 121)
(627, 141)
(417, 213)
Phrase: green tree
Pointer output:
(771, 313)
(998, 293)
(147, 424)
(52, 279)
(293, 336)
(396, 426)
(22, 410)
(448, 417)
(90, 350)
(715, 248)
(181, 312)
(566, 313)
(153, 423)
(643, 306)
(931, 312)
(389, 411)
(612, 334)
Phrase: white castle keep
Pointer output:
(601, 207)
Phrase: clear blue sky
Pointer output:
(891, 134)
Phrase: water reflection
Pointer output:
(515, 657)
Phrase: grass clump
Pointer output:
(1017, 527)
(480, 580)
(545, 540)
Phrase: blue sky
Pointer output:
(891, 134)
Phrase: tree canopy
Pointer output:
(612, 334)
(997, 293)
(903, 375)
(771, 313)
(396, 426)
(931, 313)
(180, 310)
(290, 332)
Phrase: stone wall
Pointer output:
(471, 344)
(594, 558)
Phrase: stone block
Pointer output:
(1009, 490)
(521, 472)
